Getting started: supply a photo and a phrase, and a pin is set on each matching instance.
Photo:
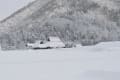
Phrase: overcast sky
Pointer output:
(7, 7)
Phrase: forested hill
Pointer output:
(76, 21)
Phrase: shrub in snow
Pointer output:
(69, 45)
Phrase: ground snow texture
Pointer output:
(100, 62)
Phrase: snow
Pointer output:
(100, 62)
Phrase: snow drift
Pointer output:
(99, 62)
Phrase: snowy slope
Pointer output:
(100, 62)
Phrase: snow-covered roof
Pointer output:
(55, 39)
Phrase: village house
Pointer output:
(52, 42)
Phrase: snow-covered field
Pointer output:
(100, 62)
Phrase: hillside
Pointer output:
(78, 21)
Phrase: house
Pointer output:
(52, 42)
(31, 45)
(55, 42)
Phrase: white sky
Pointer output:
(8, 7)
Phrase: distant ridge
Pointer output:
(18, 11)
(22, 13)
